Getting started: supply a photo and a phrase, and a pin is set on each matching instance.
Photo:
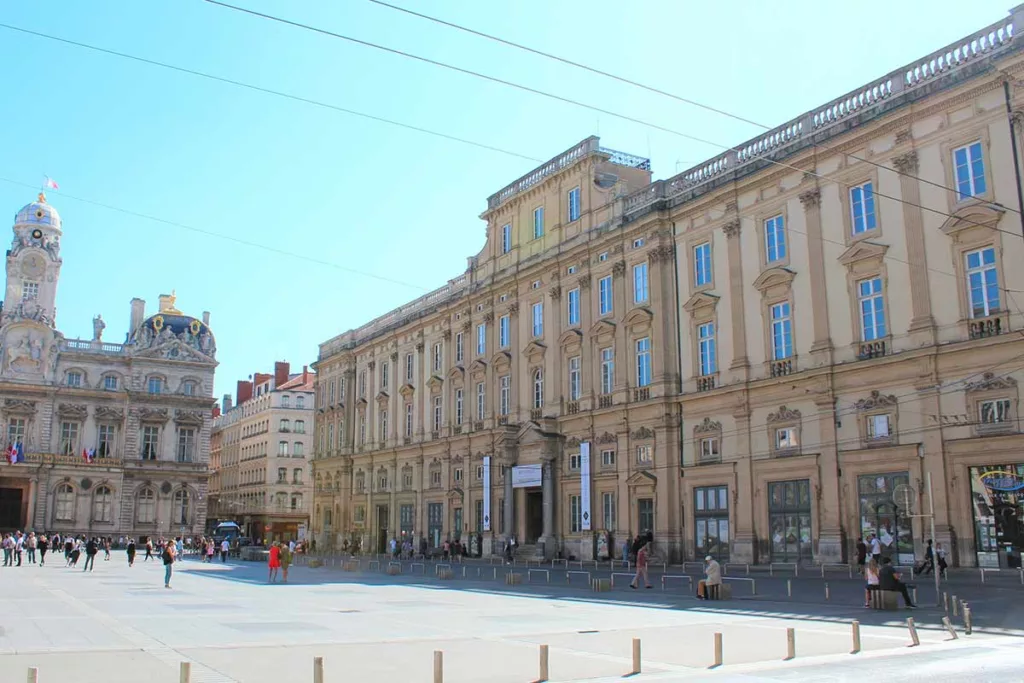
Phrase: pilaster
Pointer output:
(740, 362)
(922, 324)
(821, 348)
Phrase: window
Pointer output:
(145, 506)
(538, 319)
(574, 204)
(506, 238)
(481, 339)
(504, 325)
(437, 413)
(575, 515)
(102, 505)
(285, 426)
(408, 367)
(65, 507)
(69, 438)
(603, 256)
(300, 426)
(571, 270)
(607, 370)
(180, 510)
(702, 264)
(574, 461)
(643, 454)
(608, 510)
(608, 458)
(970, 171)
(706, 347)
(286, 401)
(382, 423)
(29, 290)
(575, 378)
(282, 448)
(407, 479)
(362, 429)
(188, 388)
(481, 393)
(775, 239)
(150, 440)
(458, 475)
(437, 357)
(300, 401)
(298, 449)
(982, 282)
(709, 449)
(573, 300)
(330, 437)
(154, 385)
(75, 379)
(872, 309)
(282, 475)
(331, 393)
(385, 368)
(995, 412)
(786, 439)
(297, 476)
(643, 362)
(878, 426)
(711, 521)
(504, 389)
(640, 293)
(186, 444)
(782, 331)
(458, 406)
(538, 222)
(110, 383)
(604, 295)
(105, 441)
(638, 242)
(538, 389)
(408, 420)
(458, 347)
(362, 385)
(435, 478)
(862, 208)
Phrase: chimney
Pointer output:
(226, 403)
(215, 412)
(281, 371)
(138, 314)
(243, 392)
(206, 318)
(305, 374)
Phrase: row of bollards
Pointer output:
(960, 608)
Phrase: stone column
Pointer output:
(737, 320)
(922, 325)
(827, 501)
(30, 513)
(744, 543)
(821, 349)
(548, 496)
(509, 516)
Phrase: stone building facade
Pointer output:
(113, 438)
(824, 320)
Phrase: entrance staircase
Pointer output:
(528, 552)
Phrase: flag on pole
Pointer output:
(89, 454)
(16, 453)
(51, 184)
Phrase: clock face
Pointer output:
(33, 266)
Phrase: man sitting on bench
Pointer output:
(709, 588)
(889, 580)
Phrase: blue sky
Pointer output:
(359, 194)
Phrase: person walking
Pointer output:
(30, 547)
(91, 549)
(168, 558)
(862, 555)
(69, 548)
(149, 550)
(210, 550)
(641, 567)
(131, 552)
(106, 549)
(225, 548)
(870, 581)
(19, 545)
(286, 561)
(44, 545)
(274, 561)
(940, 553)
(76, 552)
(876, 548)
(928, 566)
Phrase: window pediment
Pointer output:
(435, 382)
(456, 372)
(534, 350)
(638, 316)
(602, 327)
(642, 478)
(77, 411)
(406, 390)
(701, 304)
(863, 251)
(982, 216)
(501, 359)
(570, 338)
(774, 281)
(478, 367)
(382, 398)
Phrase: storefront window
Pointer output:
(711, 520)
(997, 502)
(879, 515)
(435, 521)
(457, 526)
(645, 514)
(789, 515)
(405, 520)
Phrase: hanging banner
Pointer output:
(585, 485)
(487, 493)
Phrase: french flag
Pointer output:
(51, 184)
(16, 453)
(89, 454)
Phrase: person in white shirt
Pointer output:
(291, 546)
(876, 548)
(224, 548)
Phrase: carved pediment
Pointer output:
(863, 251)
(708, 426)
(642, 478)
(77, 411)
(109, 413)
(456, 372)
(570, 337)
(151, 414)
(774, 278)
(784, 414)
(989, 382)
(700, 302)
(607, 437)
(457, 459)
(501, 358)
(19, 406)
(478, 367)
(435, 383)
(190, 417)
(984, 216)
(573, 442)
(174, 350)
(406, 390)
(642, 433)
(534, 350)
(876, 400)
(602, 327)
(640, 315)
(455, 495)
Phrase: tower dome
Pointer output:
(38, 213)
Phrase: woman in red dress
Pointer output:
(275, 560)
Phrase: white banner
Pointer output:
(585, 484)
(487, 493)
(526, 476)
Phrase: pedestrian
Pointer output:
(76, 552)
(274, 561)
(91, 548)
(19, 546)
(149, 550)
(889, 580)
(286, 561)
(641, 567)
(69, 547)
(940, 553)
(30, 547)
(708, 588)
(928, 566)
(168, 558)
(870, 581)
(862, 555)
(625, 548)
(106, 549)
(209, 551)
(8, 546)
(876, 548)
(44, 545)
(131, 552)
(225, 547)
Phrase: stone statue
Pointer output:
(53, 356)
(52, 248)
(35, 349)
(97, 328)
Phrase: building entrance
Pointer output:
(10, 509)
(382, 528)
(534, 515)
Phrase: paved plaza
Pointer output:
(120, 625)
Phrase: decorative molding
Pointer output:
(17, 405)
(488, 317)
(372, 365)
(555, 292)
(584, 281)
(989, 382)
(573, 442)
(732, 229)
(904, 136)
(74, 410)
(784, 414)
(643, 433)
(419, 346)
(151, 414)
(708, 426)
(811, 198)
(607, 437)
(876, 400)
(108, 413)
(513, 309)
(194, 417)
(619, 269)
(394, 356)
(446, 335)
(906, 163)
(663, 253)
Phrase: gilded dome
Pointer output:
(38, 213)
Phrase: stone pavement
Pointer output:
(119, 625)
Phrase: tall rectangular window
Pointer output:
(385, 368)
(575, 379)
(872, 309)
(538, 319)
(607, 370)
(969, 167)
(702, 264)
(481, 339)
(458, 347)
(458, 406)
(575, 516)
(504, 331)
(504, 394)
(604, 295)
(408, 367)
(408, 419)
(640, 293)
(775, 239)
(574, 204)
(150, 440)
(437, 357)
(573, 301)
(862, 208)
(982, 282)
(29, 290)
(481, 400)
(506, 238)
(437, 413)
(68, 438)
(782, 331)
(382, 423)
(362, 429)
(538, 222)
(105, 441)
(706, 343)
(608, 510)
(186, 444)
(643, 362)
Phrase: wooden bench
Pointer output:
(445, 573)
(350, 566)
(884, 600)
(513, 578)
(724, 592)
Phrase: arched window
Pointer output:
(327, 517)
(145, 506)
(538, 389)
(180, 509)
(155, 384)
(188, 387)
(65, 510)
(102, 505)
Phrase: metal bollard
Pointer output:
(949, 627)
(318, 670)
(956, 606)
(826, 591)
(185, 675)
(438, 666)
(915, 641)
(913, 594)
(789, 587)
(790, 643)
(543, 664)
(718, 649)
(968, 628)
(945, 601)
(33, 675)
(636, 657)
(855, 628)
